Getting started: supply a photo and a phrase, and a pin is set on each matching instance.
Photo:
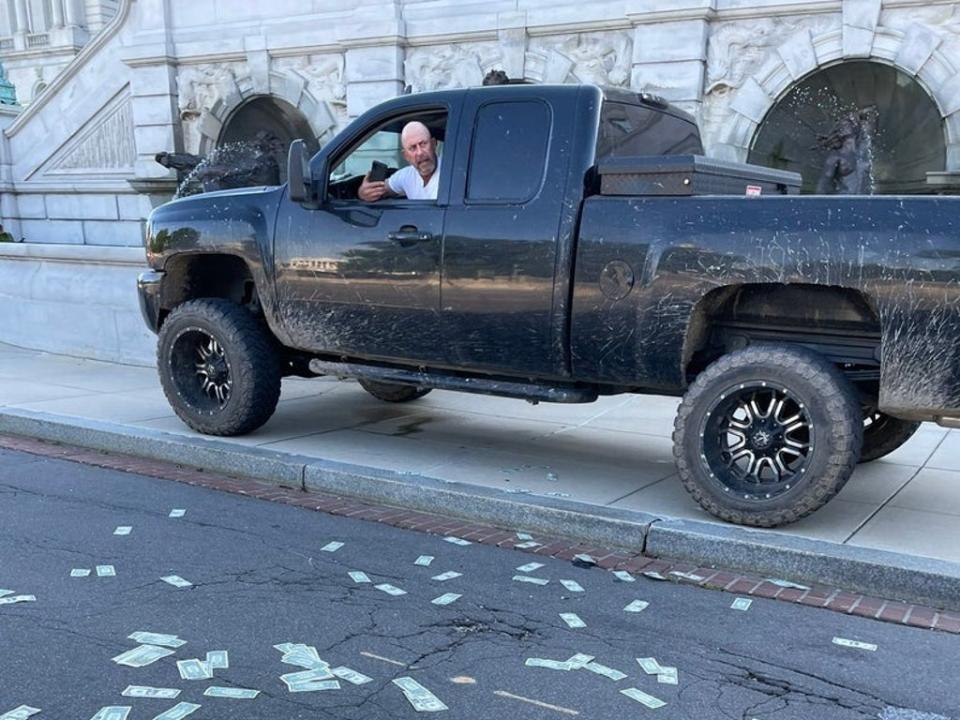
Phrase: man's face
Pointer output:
(420, 150)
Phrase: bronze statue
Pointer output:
(847, 169)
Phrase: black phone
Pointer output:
(378, 172)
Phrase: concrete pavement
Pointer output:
(613, 455)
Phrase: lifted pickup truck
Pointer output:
(578, 246)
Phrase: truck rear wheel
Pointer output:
(393, 392)
(766, 435)
(882, 434)
(219, 367)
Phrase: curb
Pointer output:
(876, 572)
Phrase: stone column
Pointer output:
(22, 17)
(74, 14)
(57, 13)
(374, 39)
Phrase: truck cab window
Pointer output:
(632, 130)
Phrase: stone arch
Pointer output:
(915, 52)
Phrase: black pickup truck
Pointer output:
(579, 245)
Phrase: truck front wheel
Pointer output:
(218, 366)
(766, 435)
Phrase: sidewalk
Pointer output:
(615, 453)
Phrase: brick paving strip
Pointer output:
(732, 581)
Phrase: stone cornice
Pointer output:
(116, 187)
(99, 254)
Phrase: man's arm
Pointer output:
(373, 191)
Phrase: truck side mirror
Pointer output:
(298, 173)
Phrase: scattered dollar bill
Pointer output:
(230, 692)
(141, 691)
(390, 589)
(650, 665)
(20, 713)
(786, 584)
(457, 541)
(605, 671)
(177, 513)
(529, 579)
(80, 572)
(310, 681)
(423, 560)
(530, 567)
(176, 581)
(351, 676)
(580, 660)
(549, 664)
(741, 604)
(123, 530)
(687, 576)
(304, 656)
(524, 536)
(637, 606)
(150, 638)
(178, 711)
(446, 599)
(556, 494)
(417, 695)
(641, 697)
(359, 577)
(624, 576)
(654, 575)
(572, 585)
(194, 669)
(106, 571)
(4, 593)
(114, 712)
(584, 560)
(218, 660)
(14, 599)
(572, 620)
(856, 644)
(142, 656)
(667, 675)
(449, 575)
(331, 547)
(528, 545)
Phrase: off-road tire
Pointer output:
(883, 434)
(816, 390)
(248, 352)
(393, 392)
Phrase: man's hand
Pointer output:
(372, 191)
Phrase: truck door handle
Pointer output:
(408, 236)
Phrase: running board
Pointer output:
(484, 386)
(949, 422)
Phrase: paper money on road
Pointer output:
(641, 697)
(548, 664)
(741, 604)
(423, 560)
(177, 581)
(20, 713)
(654, 575)
(194, 669)
(667, 676)
(177, 513)
(786, 584)
(178, 711)
(351, 676)
(605, 671)
(572, 585)
(524, 536)
(359, 577)
(80, 572)
(142, 656)
(106, 571)
(572, 620)
(637, 606)
(528, 545)
(308, 676)
(531, 580)
(123, 530)
(390, 589)
(331, 547)
(218, 660)
(14, 599)
(114, 712)
(650, 665)
(856, 644)
(446, 599)
(231, 692)
(457, 541)
(579, 660)
(624, 576)
(687, 576)
(422, 699)
(584, 560)
(304, 656)
(4, 593)
(151, 638)
(142, 691)
(530, 567)
(449, 575)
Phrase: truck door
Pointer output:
(502, 235)
(362, 279)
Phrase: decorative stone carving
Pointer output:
(323, 74)
(597, 58)
(449, 66)
(202, 86)
(105, 143)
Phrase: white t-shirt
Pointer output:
(408, 181)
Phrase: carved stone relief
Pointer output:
(598, 58)
(324, 73)
(450, 66)
(105, 144)
(200, 88)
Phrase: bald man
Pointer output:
(417, 181)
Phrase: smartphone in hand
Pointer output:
(378, 172)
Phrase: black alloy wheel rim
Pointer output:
(201, 370)
(757, 441)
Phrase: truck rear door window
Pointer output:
(631, 130)
(508, 156)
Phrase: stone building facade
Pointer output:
(77, 164)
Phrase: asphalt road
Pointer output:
(260, 578)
